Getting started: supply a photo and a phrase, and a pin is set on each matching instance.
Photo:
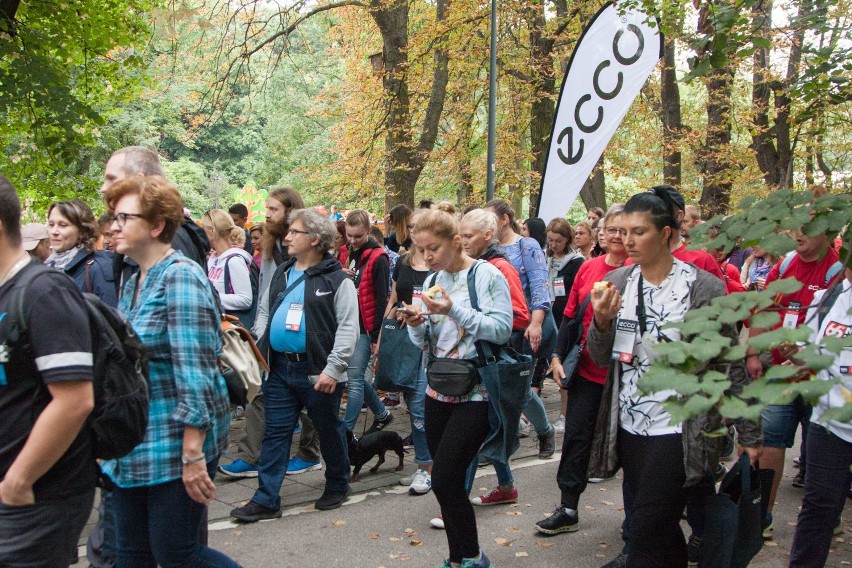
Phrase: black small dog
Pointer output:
(361, 451)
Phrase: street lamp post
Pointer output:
(492, 104)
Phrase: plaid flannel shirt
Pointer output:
(176, 319)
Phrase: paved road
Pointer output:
(381, 525)
(386, 527)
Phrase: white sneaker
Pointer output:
(437, 522)
(599, 479)
(559, 425)
(421, 483)
(523, 428)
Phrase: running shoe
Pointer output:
(238, 469)
(421, 483)
(560, 521)
(497, 497)
(297, 466)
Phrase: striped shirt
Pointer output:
(176, 319)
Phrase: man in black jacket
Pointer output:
(140, 161)
(310, 327)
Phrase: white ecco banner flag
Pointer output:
(613, 58)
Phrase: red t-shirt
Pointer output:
(699, 258)
(520, 312)
(593, 270)
(812, 276)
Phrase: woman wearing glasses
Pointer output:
(585, 387)
(663, 463)
(165, 483)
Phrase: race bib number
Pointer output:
(417, 298)
(791, 316)
(625, 340)
(294, 317)
(558, 287)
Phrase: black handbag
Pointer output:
(575, 344)
(732, 518)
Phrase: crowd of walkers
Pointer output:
(316, 291)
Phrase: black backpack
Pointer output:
(120, 417)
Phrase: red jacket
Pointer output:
(372, 299)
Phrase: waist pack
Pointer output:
(452, 377)
(120, 363)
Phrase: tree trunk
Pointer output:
(809, 165)
(670, 116)
(772, 144)
(542, 106)
(405, 158)
(8, 10)
(593, 192)
(716, 195)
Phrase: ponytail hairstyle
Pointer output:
(223, 227)
(502, 207)
(662, 202)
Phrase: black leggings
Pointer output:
(454, 433)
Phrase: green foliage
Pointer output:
(690, 366)
(64, 68)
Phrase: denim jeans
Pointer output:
(287, 390)
(158, 525)
(415, 400)
(826, 486)
(358, 389)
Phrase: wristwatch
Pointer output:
(186, 460)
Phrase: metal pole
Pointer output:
(492, 104)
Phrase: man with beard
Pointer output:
(279, 204)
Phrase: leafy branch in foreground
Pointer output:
(691, 366)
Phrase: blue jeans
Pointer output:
(415, 400)
(357, 389)
(159, 525)
(287, 390)
(827, 483)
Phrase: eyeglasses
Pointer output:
(298, 232)
(613, 231)
(120, 219)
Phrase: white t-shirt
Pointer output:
(239, 295)
(837, 323)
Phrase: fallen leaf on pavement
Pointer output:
(521, 554)
(410, 533)
(608, 503)
(395, 539)
(545, 544)
(503, 541)
(416, 543)
(374, 536)
(237, 533)
(338, 523)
